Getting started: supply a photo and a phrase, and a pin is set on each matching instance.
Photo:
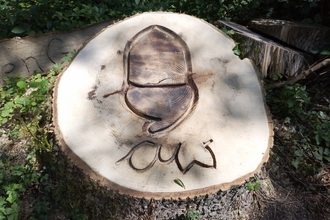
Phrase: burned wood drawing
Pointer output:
(27, 55)
(159, 87)
(174, 156)
(159, 82)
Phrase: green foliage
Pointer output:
(306, 133)
(308, 11)
(236, 49)
(33, 17)
(253, 185)
(291, 100)
(55, 194)
(23, 107)
(190, 215)
(180, 183)
(15, 179)
(193, 215)
(24, 114)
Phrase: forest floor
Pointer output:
(289, 192)
(280, 196)
(284, 196)
(282, 190)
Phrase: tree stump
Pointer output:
(304, 37)
(158, 107)
(24, 56)
(271, 58)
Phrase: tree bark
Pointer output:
(270, 57)
(100, 202)
(303, 37)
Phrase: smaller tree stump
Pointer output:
(27, 55)
(305, 37)
(270, 57)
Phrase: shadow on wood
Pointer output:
(24, 56)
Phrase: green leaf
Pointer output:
(318, 138)
(180, 183)
(325, 52)
(12, 196)
(323, 116)
(318, 156)
(21, 28)
(236, 50)
(298, 153)
(296, 163)
(13, 211)
(21, 84)
(22, 101)
(2, 204)
(5, 113)
(68, 57)
(230, 32)
(257, 185)
(18, 171)
(250, 187)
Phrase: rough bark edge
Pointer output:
(100, 202)
(268, 67)
(149, 195)
(263, 26)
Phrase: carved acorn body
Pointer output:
(159, 84)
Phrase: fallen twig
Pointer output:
(302, 75)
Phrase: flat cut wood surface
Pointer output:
(27, 55)
(221, 138)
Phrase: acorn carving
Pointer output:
(158, 78)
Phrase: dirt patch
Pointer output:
(283, 196)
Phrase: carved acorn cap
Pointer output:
(158, 71)
(157, 56)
